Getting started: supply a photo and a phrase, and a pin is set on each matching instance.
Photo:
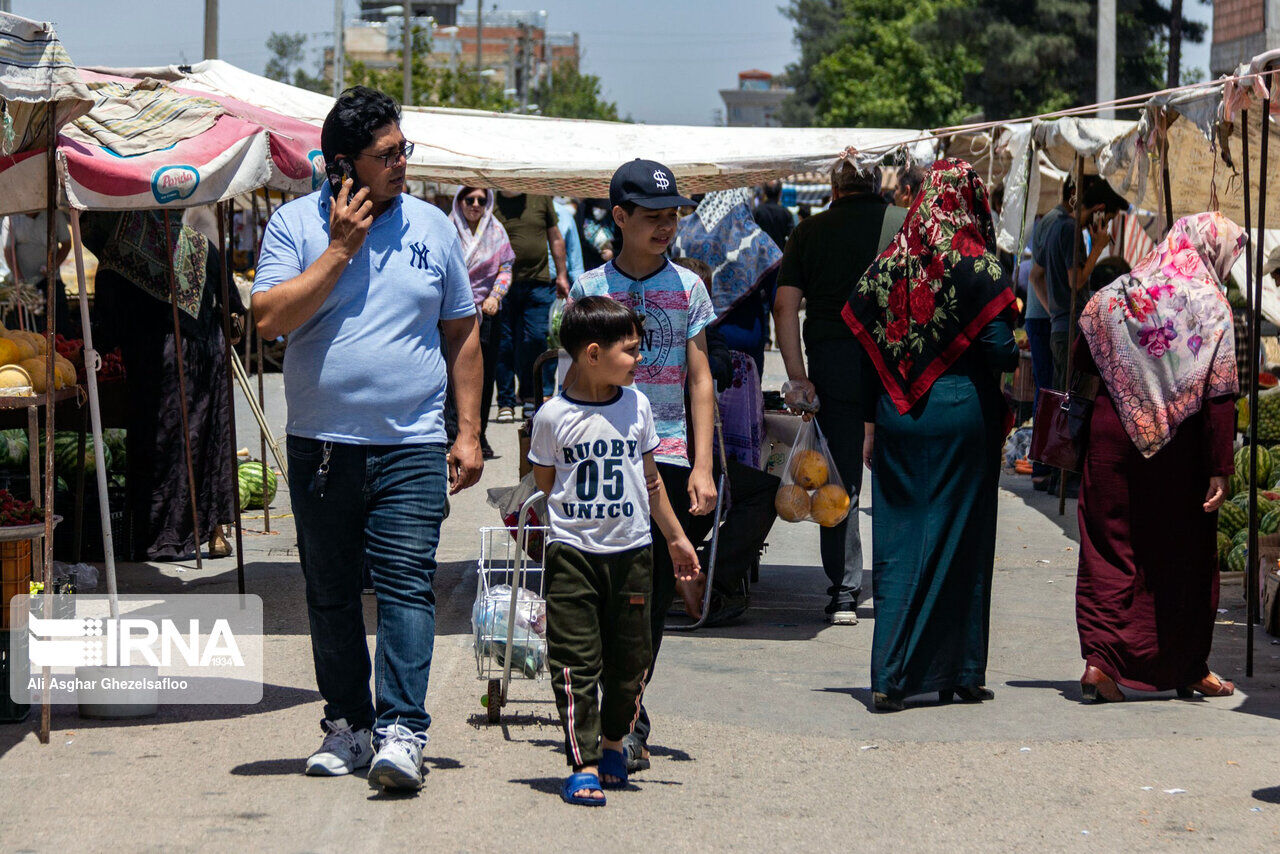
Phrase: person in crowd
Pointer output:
(774, 219)
(825, 256)
(1066, 266)
(533, 227)
(676, 310)
(374, 293)
(567, 223)
(599, 431)
(27, 254)
(751, 512)
(910, 180)
(600, 239)
(488, 255)
(1156, 466)
(133, 311)
(935, 421)
(743, 262)
(1037, 324)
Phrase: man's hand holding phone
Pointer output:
(349, 219)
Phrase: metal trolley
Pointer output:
(509, 631)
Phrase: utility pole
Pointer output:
(210, 29)
(1175, 44)
(524, 67)
(1106, 57)
(339, 47)
(408, 54)
(479, 36)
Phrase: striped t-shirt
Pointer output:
(676, 307)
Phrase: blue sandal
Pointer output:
(613, 763)
(577, 782)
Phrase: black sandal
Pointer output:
(633, 753)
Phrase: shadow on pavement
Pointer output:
(1269, 795)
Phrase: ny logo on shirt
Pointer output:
(419, 251)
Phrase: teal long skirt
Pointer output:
(934, 494)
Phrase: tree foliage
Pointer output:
(288, 55)
(430, 84)
(932, 62)
(570, 94)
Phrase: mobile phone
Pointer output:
(338, 171)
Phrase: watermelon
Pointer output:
(65, 445)
(250, 476)
(13, 448)
(1240, 536)
(1224, 548)
(1238, 558)
(1231, 518)
(1263, 470)
(1235, 485)
(1270, 523)
(114, 441)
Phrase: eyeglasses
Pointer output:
(473, 200)
(405, 150)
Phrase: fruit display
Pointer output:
(1238, 558)
(1225, 545)
(1231, 518)
(15, 512)
(809, 469)
(1268, 414)
(251, 476)
(792, 502)
(12, 378)
(1263, 470)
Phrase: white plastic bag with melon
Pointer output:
(811, 489)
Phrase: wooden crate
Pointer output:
(15, 575)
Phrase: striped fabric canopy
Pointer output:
(37, 80)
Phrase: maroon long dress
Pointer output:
(1147, 588)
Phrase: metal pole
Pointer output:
(1071, 318)
(1164, 171)
(225, 246)
(51, 281)
(479, 36)
(1106, 57)
(339, 47)
(407, 39)
(182, 392)
(210, 29)
(1255, 330)
(1248, 275)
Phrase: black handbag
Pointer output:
(1061, 425)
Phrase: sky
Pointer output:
(662, 61)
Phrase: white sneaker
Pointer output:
(506, 414)
(398, 764)
(342, 751)
(843, 618)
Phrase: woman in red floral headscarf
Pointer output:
(930, 316)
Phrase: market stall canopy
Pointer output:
(38, 80)
(148, 144)
(559, 156)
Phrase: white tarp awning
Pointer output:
(560, 156)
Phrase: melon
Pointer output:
(1240, 536)
(1235, 485)
(1270, 523)
(1224, 548)
(9, 352)
(1231, 518)
(1238, 559)
(14, 377)
(830, 505)
(257, 485)
(809, 469)
(1263, 471)
(792, 502)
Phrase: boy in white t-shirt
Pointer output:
(592, 453)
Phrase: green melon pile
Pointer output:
(257, 485)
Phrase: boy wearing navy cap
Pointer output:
(675, 308)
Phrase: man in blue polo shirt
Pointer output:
(365, 286)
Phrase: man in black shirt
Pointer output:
(774, 219)
(823, 260)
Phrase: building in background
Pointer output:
(516, 47)
(756, 102)
(1242, 29)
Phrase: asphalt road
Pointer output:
(763, 736)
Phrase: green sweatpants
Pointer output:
(598, 644)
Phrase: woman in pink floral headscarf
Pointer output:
(1155, 474)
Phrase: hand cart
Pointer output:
(510, 629)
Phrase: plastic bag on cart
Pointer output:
(811, 487)
(1016, 447)
(489, 623)
(508, 500)
(553, 322)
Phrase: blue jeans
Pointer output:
(1038, 329)
(523, 321)
(381, 505)
(833, 370)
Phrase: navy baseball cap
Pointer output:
(648, 184)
